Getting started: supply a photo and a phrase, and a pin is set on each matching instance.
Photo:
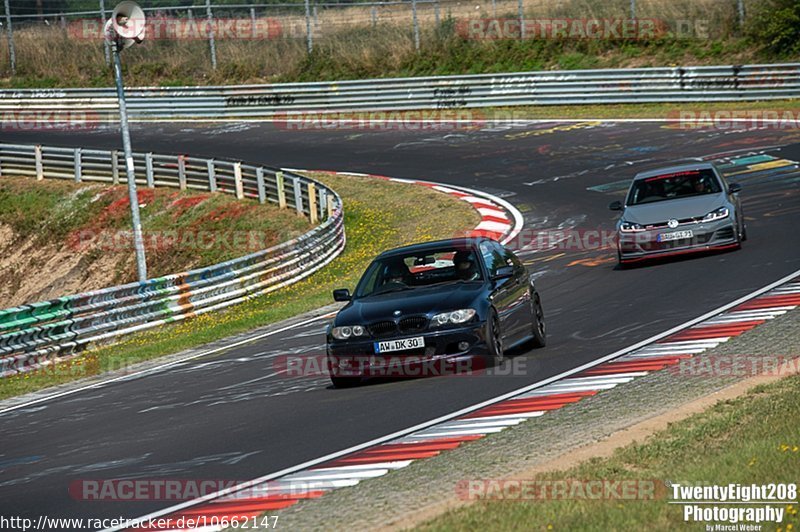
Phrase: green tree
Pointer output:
(776, 25)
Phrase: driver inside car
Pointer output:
(466, 269)
(397, 273)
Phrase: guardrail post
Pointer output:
(182, 172)
(212, 176)
(148, 164)
(262, 194)
(237, 178)
(77, 162)
(323, 202)
(330, 206)
(114, 167)
(374, 14)
(312, 203)
(298, 197)
(281, 191)
(37, 151)
(740, 6)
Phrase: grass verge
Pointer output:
(753, 439)
(379, 215)
(349, 45)
(693, 114)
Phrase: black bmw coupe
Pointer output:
(433, 303)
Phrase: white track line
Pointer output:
(458, 413)
(165, 365)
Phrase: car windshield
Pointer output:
(419, 269)
(674, 185)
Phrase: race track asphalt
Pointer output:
(228, 417)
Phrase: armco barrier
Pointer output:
(35, 333)
(567, 87)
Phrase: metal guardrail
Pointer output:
(35, 333)
(289, 100)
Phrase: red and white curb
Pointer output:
(374, 459)
(499, 219)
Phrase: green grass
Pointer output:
(45, 60)
(639, 110)
(379, 215)
(754, 439)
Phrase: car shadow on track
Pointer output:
(661, 261)
(477, 367)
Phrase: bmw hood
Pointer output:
(679, 209)
(412, 302)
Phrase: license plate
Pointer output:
(677, 235)
(400, 345)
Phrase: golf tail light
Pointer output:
(718, 214)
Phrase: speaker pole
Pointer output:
(138, 242)
(118, 42)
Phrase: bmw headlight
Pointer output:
(718, 214)
(629, 227)
(343, 333)
(453, 317)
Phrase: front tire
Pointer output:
(539, 336)
(345, 382)
(620, 264)
(494, 338)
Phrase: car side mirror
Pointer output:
(733, 188)
(342, 294)
(615, 205)
(503, 272)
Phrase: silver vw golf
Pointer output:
(676, 210)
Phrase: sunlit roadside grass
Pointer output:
(700, 114)
(379, 215)
(753, 439)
